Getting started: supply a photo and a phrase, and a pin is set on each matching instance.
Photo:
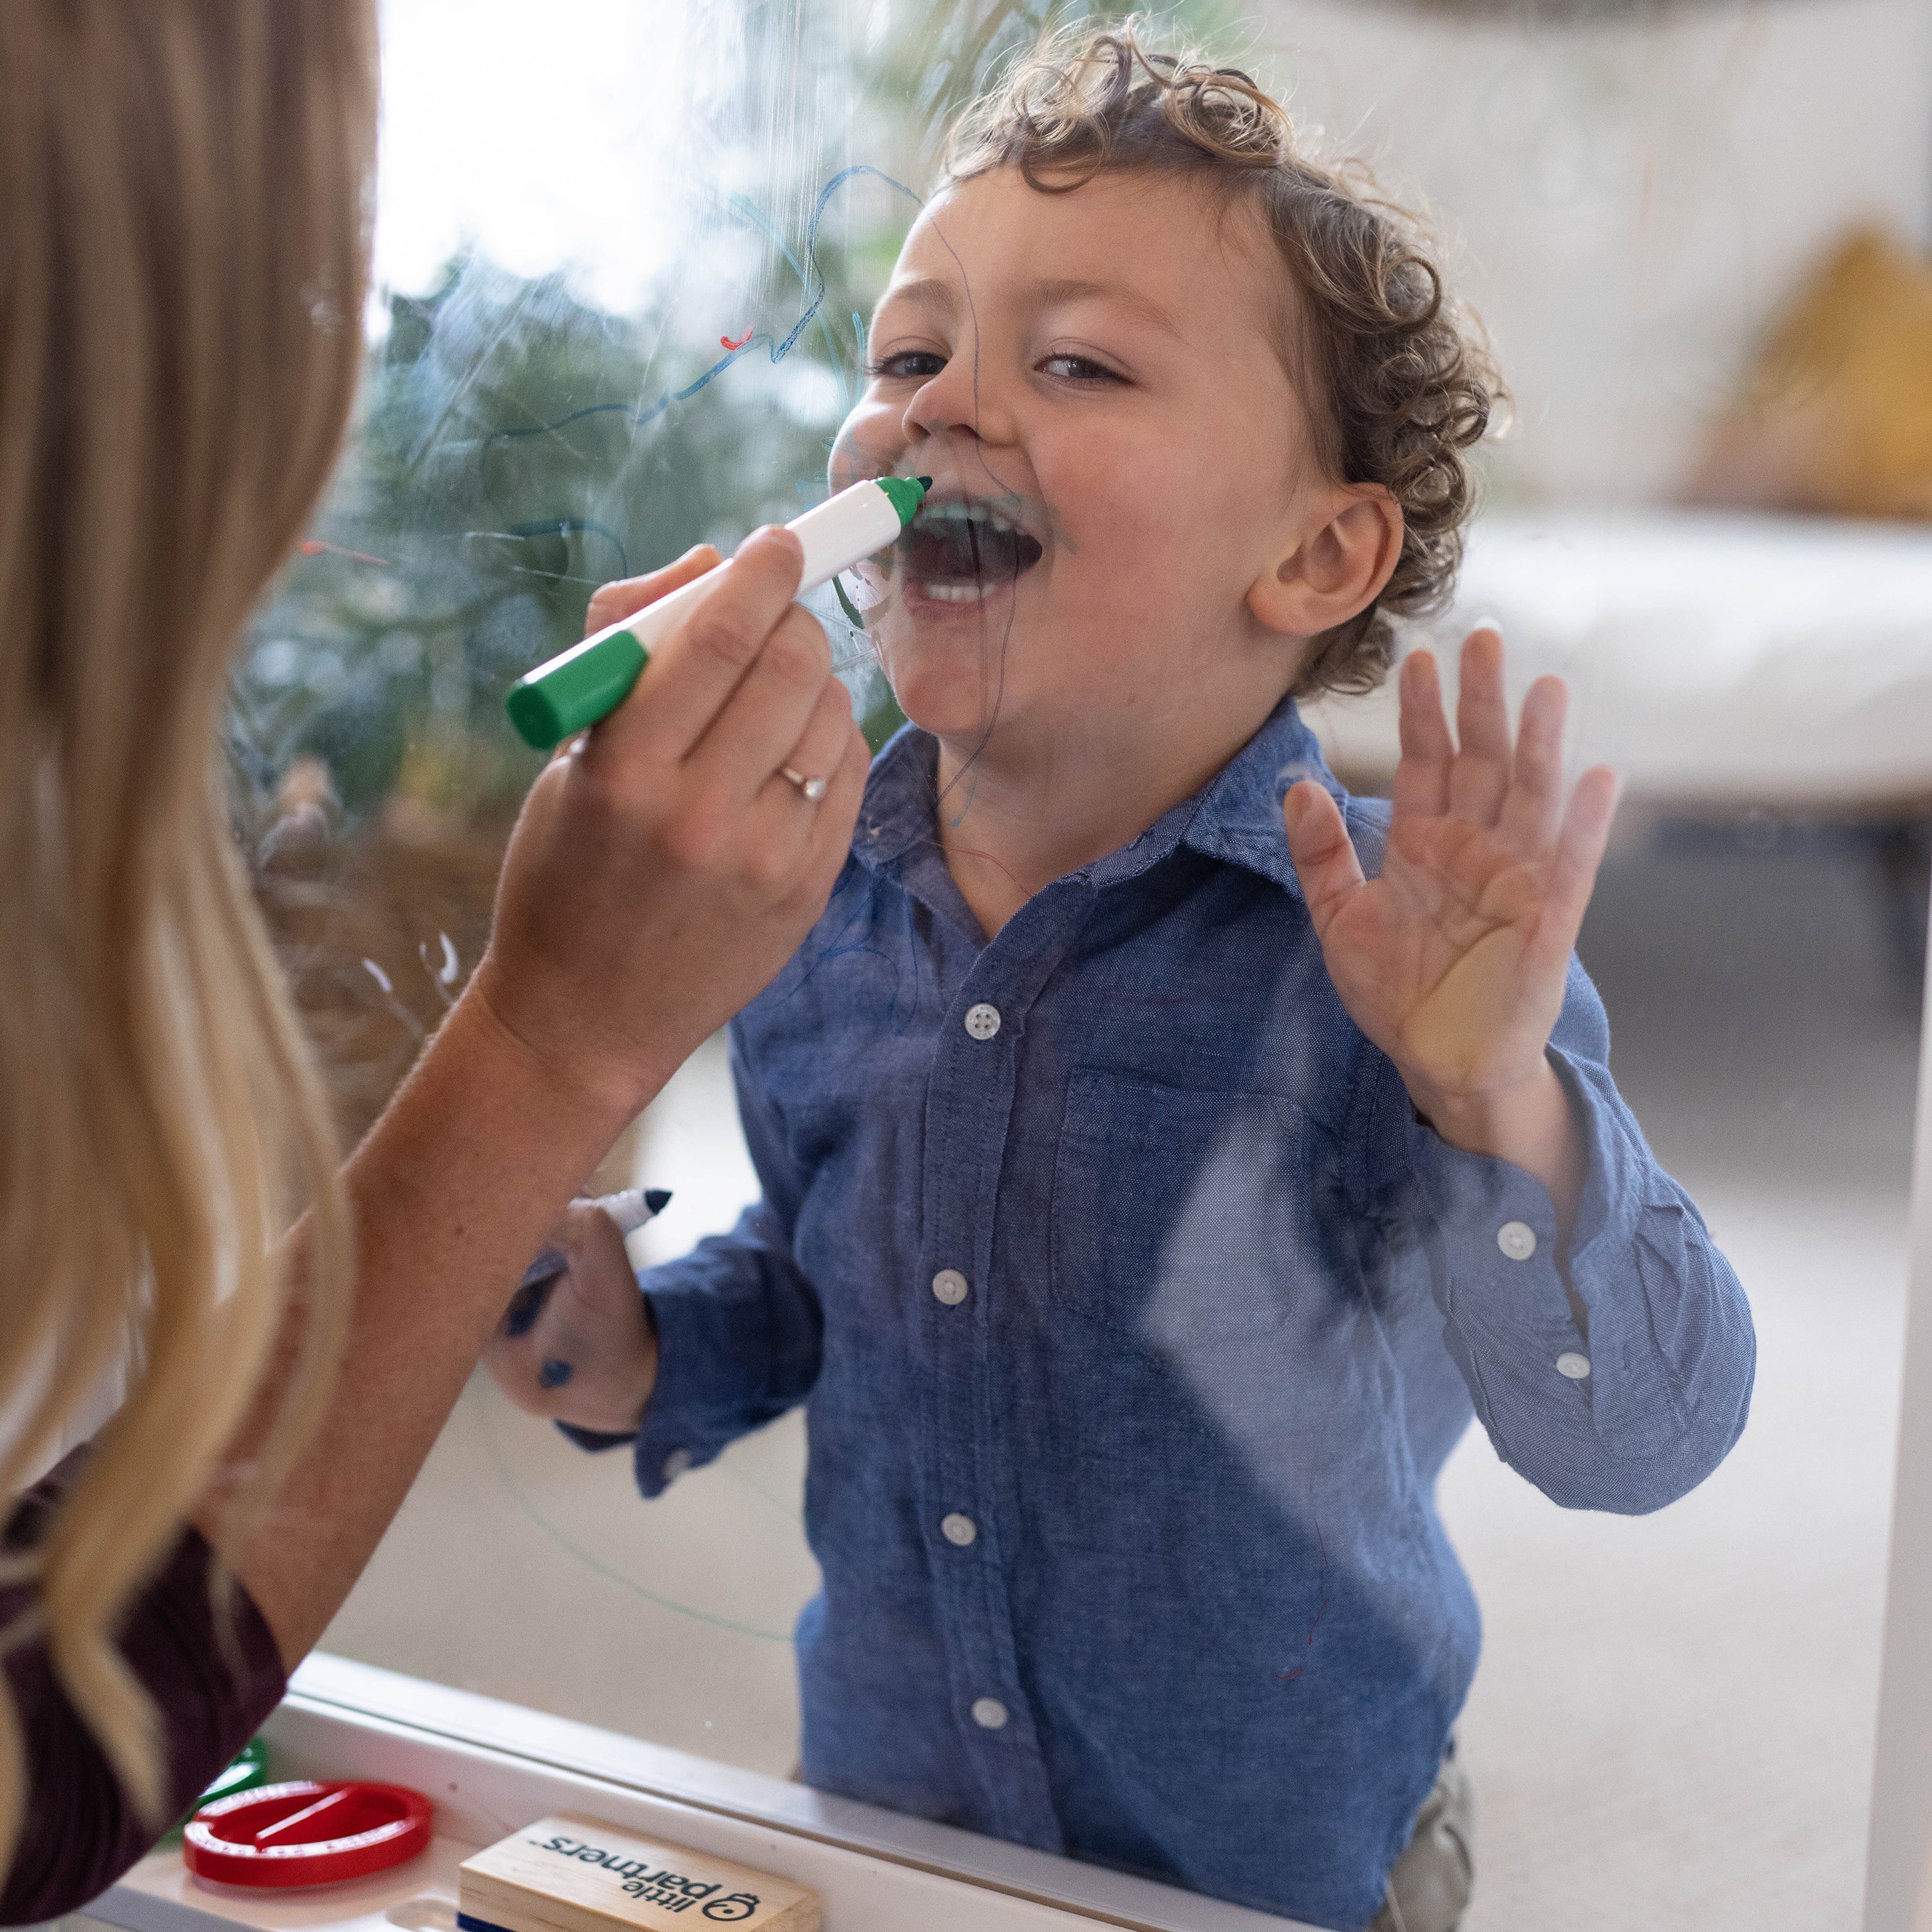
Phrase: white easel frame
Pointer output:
(491, 1766)
(1898, 1867)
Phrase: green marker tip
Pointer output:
(906, 492)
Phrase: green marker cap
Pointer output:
(906, 493)
(572, 692)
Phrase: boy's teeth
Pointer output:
(952, 593)
(970, 513)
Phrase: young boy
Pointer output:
(1150, 1199)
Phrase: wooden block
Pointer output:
(573, 1874)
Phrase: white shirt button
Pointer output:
(989, 1713)
(982, 1021)
(949, 1285)
(1517, 1239)
(958, 1530)
(1574, 1365)
(675, 1463)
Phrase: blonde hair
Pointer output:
(183, 192)
(1400, 384)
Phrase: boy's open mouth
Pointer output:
(956, 552)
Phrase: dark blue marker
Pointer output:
(630, 1210)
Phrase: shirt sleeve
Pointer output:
(212, 1686)
(740, 1330)
(1615, 1374)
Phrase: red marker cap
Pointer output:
(306, 1833)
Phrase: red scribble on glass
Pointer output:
(725, 342)
(314, 546)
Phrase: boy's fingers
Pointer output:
(586, 1232)
(514, 1361)
(553, 1362)
(1533, 807)
(695, 671)
(1480, 777)
(1422, 776)
(611, 603)
(1324, 854)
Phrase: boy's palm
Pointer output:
(1453, 961)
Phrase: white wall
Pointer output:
(1635, 199)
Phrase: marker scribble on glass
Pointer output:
(639, 417)
(315, 547)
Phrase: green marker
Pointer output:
(591, 679)
(247, 1772)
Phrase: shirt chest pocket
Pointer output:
(1182, 1216)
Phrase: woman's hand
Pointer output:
(1453, 961)
(663, 870)
(579, 1347)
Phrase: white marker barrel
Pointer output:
(589, 681)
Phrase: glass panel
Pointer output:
(625, 268)
(628, 257)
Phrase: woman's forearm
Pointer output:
(454, 1188)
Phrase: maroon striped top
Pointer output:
(81, 1830)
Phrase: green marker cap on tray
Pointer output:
(245, 1773)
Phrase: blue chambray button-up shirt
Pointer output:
(1135, 1314)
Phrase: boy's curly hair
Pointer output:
(1400, 386)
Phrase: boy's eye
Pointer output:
(908, 365)
(1079, 369)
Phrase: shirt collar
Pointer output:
(1236, 816)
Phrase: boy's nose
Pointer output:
(874, 446)
(963, 400)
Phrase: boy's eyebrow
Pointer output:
(933, 293)
(1051, 295)
(927, 292)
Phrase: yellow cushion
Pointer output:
(1837, 414)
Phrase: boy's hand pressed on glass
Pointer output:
(589, 1356)
(1454, 960)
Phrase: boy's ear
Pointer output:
(1339, 556)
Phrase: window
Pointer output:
(628, 256)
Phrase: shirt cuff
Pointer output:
(1510, 1279)
(1498, 1229)
(697, 1401)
